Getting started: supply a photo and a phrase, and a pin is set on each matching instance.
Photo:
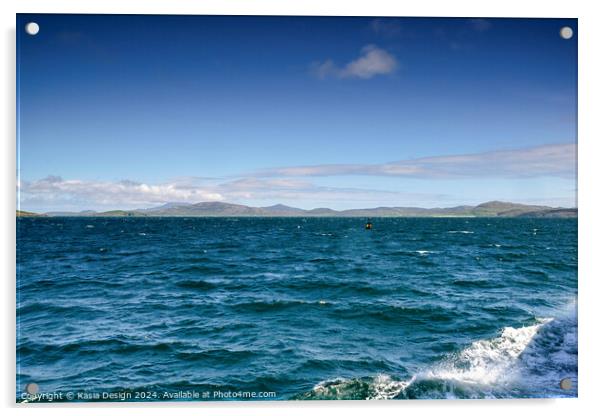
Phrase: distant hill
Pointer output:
(322, 212)
(506, 209)
(28, 214)
(119, 213)
(223, 209)
(169, 205)
(552, 213)
(86, 213)
(282, 210)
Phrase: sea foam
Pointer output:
(530, 359)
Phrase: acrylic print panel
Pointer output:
(295, 208)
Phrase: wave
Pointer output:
(219, 356)
(353, 287)
(529, 361)
(199, 269)
(196, 284)
(51, 354)
(51, 309)
(264, 306)
(477, 283)
(398, 313)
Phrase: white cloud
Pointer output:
(56, 194)
(373, 61)
(286, 189)
(386, 27)
(324, 69)
(290, 184)
(548, 160)
(56, 191)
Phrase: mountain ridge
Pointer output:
(224, 209)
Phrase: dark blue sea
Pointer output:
(296, 308)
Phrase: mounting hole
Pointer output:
(566, 384)
(32, 388)
(32, 28)
(566, 32)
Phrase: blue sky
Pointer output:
(135, 111)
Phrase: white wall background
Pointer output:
(590, 185)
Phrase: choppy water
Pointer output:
(315, 308)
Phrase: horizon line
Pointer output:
(176, 204)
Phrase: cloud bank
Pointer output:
(292, 184)
(54, 193)
(372, 61)
(55, 190)
(557, 160)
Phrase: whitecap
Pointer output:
(385, 388)
(486, 362)
(526, 361)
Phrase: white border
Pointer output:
(590, 232)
